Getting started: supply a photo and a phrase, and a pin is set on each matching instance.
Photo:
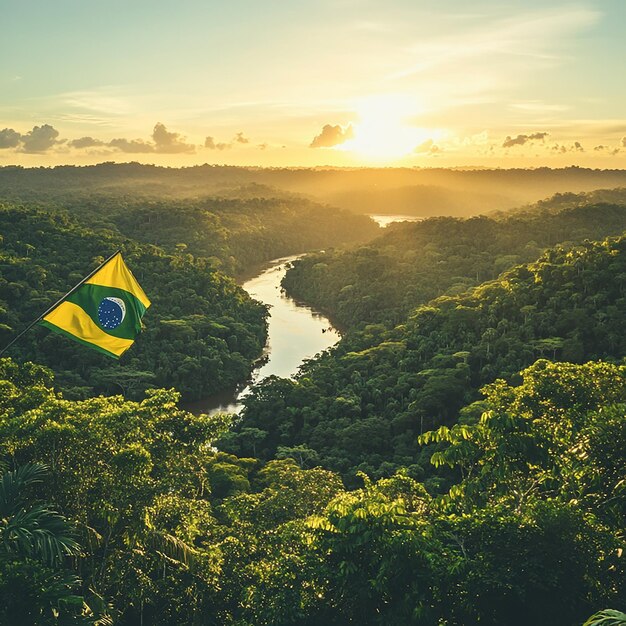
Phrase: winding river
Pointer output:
(295, 333)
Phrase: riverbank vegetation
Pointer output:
(202, 332)
(235, 234)
(231, 220)
(410, 264)
(205, 332)
(361, 406)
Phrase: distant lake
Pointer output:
(385, 220)
(296, 333)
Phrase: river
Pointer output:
(384, 220)
(295, 333)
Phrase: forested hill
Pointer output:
(235, 232)
(560, 201)
(201, 335)
(409, 264)
(203, 332)
(362, 406)
(416, 191)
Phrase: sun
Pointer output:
(382, 132)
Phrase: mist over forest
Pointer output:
(420, 192)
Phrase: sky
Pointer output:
(412, 83)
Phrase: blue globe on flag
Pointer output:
(111, 312)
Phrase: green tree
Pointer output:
(35, 541)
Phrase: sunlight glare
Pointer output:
(382, 131)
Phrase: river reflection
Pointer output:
(295, 333)
(384, 220)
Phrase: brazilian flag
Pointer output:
(104, 311)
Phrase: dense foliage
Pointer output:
(34, 541)
(377, 488)
(237, 227)
(234, 233)
(174, 532)
(361, 406)
(381, 282)
(202, 332)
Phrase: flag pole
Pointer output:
(59, 301)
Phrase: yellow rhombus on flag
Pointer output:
(105, 312)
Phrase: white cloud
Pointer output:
(530, 35)
(537, 106)
(485, 61)
(106, 100)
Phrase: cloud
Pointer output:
(623, 142)
(167, 142)
(9, 138)
(40, 139)
(262, 146)
(427, 147)
(239, 138)
(608, 149)
(479, 139)
(107, 101)
(575, 147)
(520, 140)
(163, 142)
(424, 147)
(538, 106)
(85, 142)
(332, 136)
(525, 40)
(210, 143)
(132, 146)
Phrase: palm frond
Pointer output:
(12, 485)
(36, 531)
(98, 610)
(608, 617)
(172, 548)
